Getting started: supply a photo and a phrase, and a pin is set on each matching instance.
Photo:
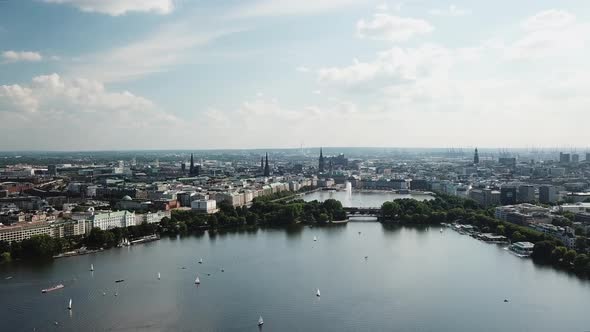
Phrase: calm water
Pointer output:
(413, 280)
(361, 198)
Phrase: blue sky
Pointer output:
(152, 74)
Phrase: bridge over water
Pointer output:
(363, 212)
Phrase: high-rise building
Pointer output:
(266, 167)
(564, 157)
(476, 157)
(575, 158)
(192, 165)
(52, 169)
(548, 194)
(321, 165)
(526, 193)
(508, 195)
(507, 161)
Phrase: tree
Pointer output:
(323, 218)
(580, 263)
(581, 244)
(500, 230)
(569, 257)
(557, 254)
(542, 251)
(518, 237)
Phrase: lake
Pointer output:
(361, 198)
(415, 279)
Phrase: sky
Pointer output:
(203, 74)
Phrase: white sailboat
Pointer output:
(201, 261)
(197, 281)
(441, 230)
(70, 305)
(315, 238)
(158, 275)
(260, 321)
(317, 293)
(91, 267)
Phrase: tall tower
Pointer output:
(192, 166)
(321, 165)
(476, 157)
(261, 164)
(266, 167)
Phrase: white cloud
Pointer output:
(289, 7)
(550, 33)
(78, 113)
(302, 69)
(452, 10)
(15, 56)
(392, 28)
(395, 66)
(549, 19)
(119, 7)
(168, 47)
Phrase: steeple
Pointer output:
(192, 166)
(321, 165)
(266, 167)
(261, 164)
(476, 157)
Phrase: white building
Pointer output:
(151, 218)
(110, 220)
(205, 206)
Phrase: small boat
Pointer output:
(51, 289)
(366, 257)
(505, 300)
(260, 321)
(317, 293)
(201, 261)
(8, 278)
(158, 275)
(183, 268)
(197, 281)
(91, 267)
(103, 293)
(222, 270)
(441, 230)
(116, 294)
(359, 233)
(208, 274)
(315, 238)
(70, 305)
(120, 280)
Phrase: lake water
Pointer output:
(361, 198)
(415, 279)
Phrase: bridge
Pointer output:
(363, 212)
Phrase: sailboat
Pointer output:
(441, 230)
(260, 321)
(91, 267)
(158, 275)
(70, 305)
(197, 281)
(201, 261)
(315, 238)
(317, 293)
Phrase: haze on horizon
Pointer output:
(180, 74)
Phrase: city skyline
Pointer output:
(164, 74)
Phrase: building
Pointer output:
(526, 193)
(108, 220)
(564, 158)
(508, 195)
(587, 156)
(578, 197)
(266, 166)
(22, 231)
(321, 162)
(548, 194)
(485, 197)
(476, 157)
(575, 208)
(575, 158)
(507, 161)
(205, 206)
(151, 217)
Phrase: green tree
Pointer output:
(580, 263)
(518, 237)
(542, 251)
(569, 257)
(557, 254)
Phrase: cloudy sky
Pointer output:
(153, 74)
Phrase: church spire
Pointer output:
(476, 157)
(321, 164)
(266, 167)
